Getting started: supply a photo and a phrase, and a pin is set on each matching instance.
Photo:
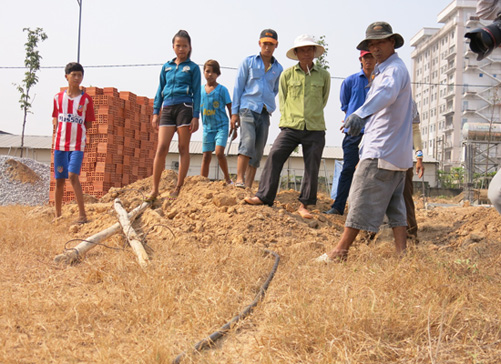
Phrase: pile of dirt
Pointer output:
(20, 172)
(23, 181)
(206, 211)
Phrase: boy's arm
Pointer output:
(90, 116)
(238, 90)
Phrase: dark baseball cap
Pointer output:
(269, 35)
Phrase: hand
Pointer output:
(235, 122)
(155, 121)
(194, 125)
(233, 134)
(419, 167)
(342, 128)
(354, 124)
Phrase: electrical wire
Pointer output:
(227, 68)
(212, 338)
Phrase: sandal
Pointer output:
(240, 185)
(151, 198)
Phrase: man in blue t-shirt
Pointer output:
(353, 92)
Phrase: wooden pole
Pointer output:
(131, 234)
(73, 255)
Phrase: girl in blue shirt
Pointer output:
(178, 99)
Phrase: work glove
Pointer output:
(354, 124)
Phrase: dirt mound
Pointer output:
(206, 212)
(20, 172)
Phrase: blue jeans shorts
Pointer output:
(65, 162)
(212, 138)
(253, 135)
(375, 192)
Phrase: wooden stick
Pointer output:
(71, 256)
(131, 234)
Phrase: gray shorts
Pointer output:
(375, 192)
(253, 135)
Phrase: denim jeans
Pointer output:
(350, 160)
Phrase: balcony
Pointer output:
(450, 70)
(451, 55)
(448, 112)
(469, 111)
(469, 94)
(471, 67)
(473, 22)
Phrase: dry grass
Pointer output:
(439, 304)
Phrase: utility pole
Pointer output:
(79, 28)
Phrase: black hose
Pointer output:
(211, 339)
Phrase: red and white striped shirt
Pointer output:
(72, 114)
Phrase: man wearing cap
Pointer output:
(353, 92)
(303, 94)
(386, 151)
(253, 102)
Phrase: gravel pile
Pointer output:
(15, 192)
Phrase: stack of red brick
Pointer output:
(121, 143)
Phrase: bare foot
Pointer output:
(81, 220)
(173, 195)
(303, 211)
(253, 201)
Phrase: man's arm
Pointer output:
(488, 9)
(327, 87)
(384, 95)
(282, 93)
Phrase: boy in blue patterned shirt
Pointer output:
(214, 119)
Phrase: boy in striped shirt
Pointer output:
(73, 109)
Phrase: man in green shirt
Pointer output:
(303, 94)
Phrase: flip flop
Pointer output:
(150, 198)
(240, 185)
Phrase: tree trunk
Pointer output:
(131, 234)
(71, 256)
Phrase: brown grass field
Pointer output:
(441, 303)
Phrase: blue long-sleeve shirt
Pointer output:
(178, 84)
(353, 93)
(255, 87)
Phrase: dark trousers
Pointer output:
(350, 161)
(313, 145)
(409, 203)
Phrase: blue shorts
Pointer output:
(375, 192)
(213, 138)
(253, 135)
(65, 162)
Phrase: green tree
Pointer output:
(322, 60)
(32, 63)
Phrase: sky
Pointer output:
(118, 33)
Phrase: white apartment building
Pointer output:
(452, 89)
